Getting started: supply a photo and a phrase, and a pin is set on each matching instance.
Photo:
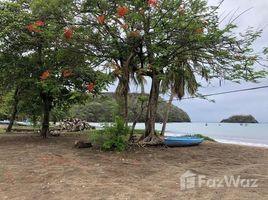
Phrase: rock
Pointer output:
(75, 125)
(240, 119)
(54, 133)
(81, 144)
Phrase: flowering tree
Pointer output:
(158, 38)
(58, 71)
(170, 42)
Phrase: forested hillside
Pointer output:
(104, 108)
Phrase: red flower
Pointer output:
(45, 75)
(90, 87)
(122, 11)
(40, 23)
(68, 33)
(32, 28)
(152, 2)
(101, 19)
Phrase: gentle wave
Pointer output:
(224, 141)
(241, 143)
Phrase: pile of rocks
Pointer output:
(75, 125)
(71, 125)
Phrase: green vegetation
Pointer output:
(111, 137)
(206, 138)
(105, 107)
(240, 119)
(43, 57)
(2, 130)
(57, 60)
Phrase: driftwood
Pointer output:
(75, 125)
(81, 144)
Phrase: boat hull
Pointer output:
(182, 141)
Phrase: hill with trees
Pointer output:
(240, 119)
(103, 109)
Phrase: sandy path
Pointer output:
(32, 168)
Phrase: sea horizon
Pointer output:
(249, 134)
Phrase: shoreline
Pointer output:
(233, 142)
(225, 141)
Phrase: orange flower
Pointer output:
(40, 23)
(200, 30)
(152, 2)
(101, 19)
(45, 75)
(90, 87)
(135, 34)
(122, 11)
(124, 26)
(67, 72)
(68, 33)
(32, 28)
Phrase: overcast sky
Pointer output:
(250, 102)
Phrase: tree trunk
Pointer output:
(166, 113)
(136, 120)
(138, 115)
(122, 98)
(125, 93)
(34, 118)
(152, 107)
(15, 110)
(47, 105)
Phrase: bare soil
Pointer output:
(52, 169)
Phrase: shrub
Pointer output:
(206, 138)
(111, 137)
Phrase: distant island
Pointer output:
(104, 107)
(240, 119)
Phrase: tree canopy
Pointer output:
(64, 46)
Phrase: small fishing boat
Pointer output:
(182, 141)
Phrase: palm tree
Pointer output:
(179, 79)
(139, 80)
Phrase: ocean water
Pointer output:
(243, 134)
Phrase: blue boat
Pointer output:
(181, 141)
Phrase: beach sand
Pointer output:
(33, 168)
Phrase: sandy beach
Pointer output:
(33, 168)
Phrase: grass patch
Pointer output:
(111, 137)
(206, 138)
(96, 137)
(2, 130)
